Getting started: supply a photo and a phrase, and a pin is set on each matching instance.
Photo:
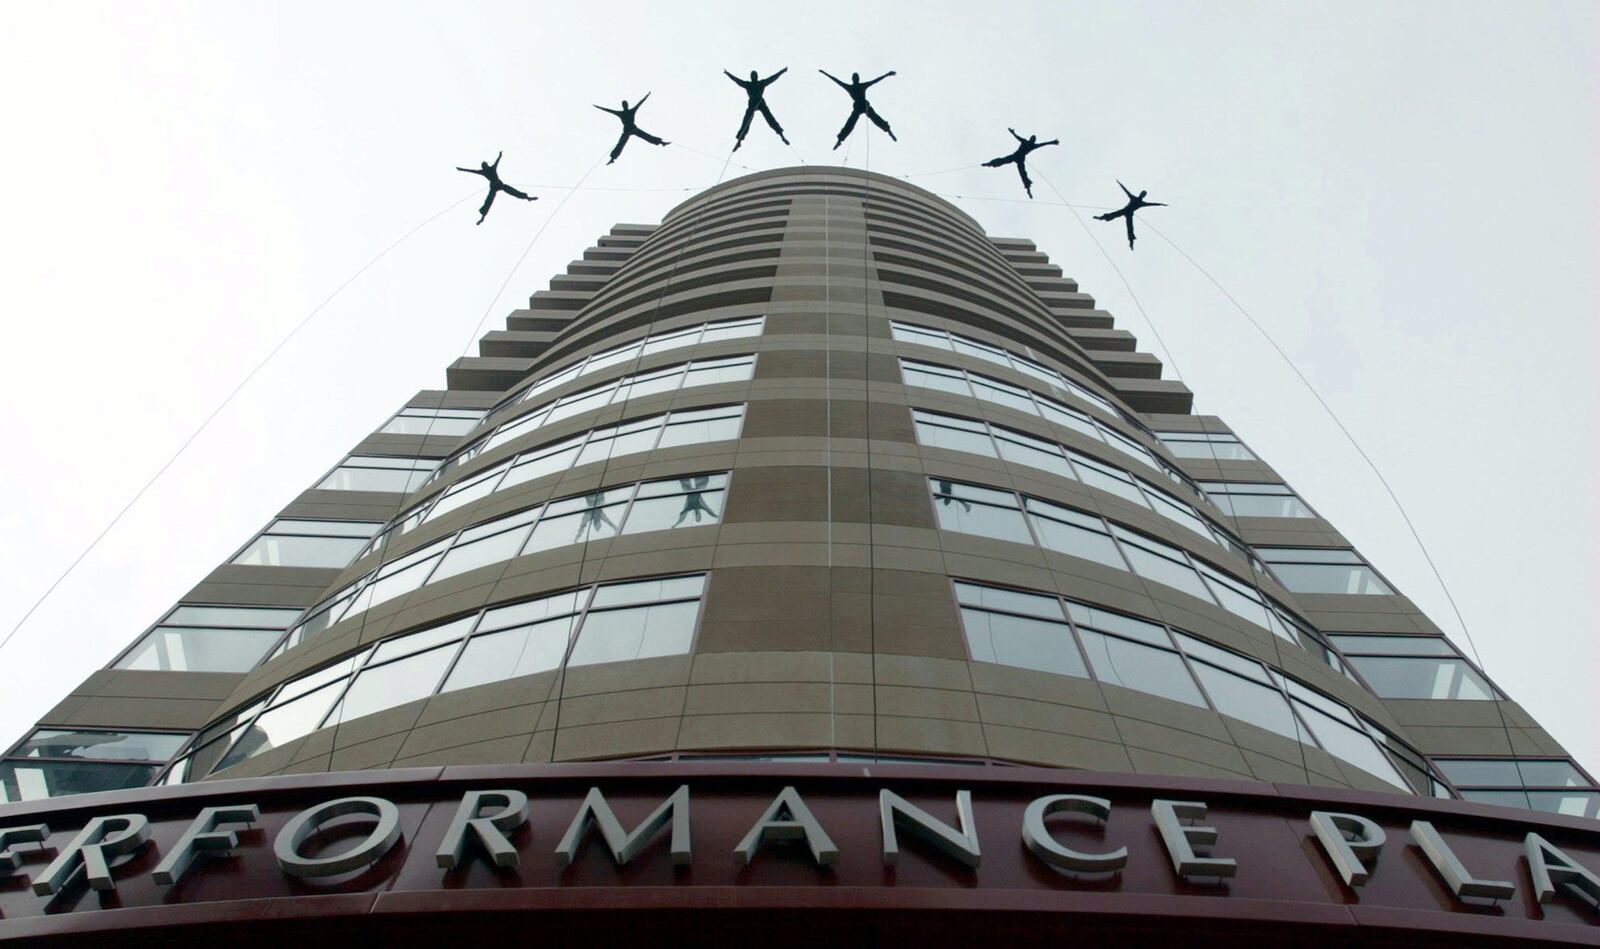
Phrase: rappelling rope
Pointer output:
(224, 404)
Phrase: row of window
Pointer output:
(196, 638)
(684, 375)
(52, 762)
(976, 385)
(1412, 667)
(938, 430)
(686, 501)
(638, 349)
(1215, 446)
(608, 623)
(298, 542)
(668, 430)
(1541, 784)
(1255, 499)
(1047, 633)
(966, 346)
(990, 512)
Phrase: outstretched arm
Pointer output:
(640, 103)
(733, 77)
(470, 171)
(1125, 189)
(1014, 134)
(873, 82)
(1053, 141)
(497, 157)
(604, 109)
(775, 75)
(837, 81)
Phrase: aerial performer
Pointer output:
(492, 172)
(859, 104)
(1020, 157)
(756, 87)
(1134, 204)
(626, 114)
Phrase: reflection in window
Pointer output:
(195, 638)
(1554, 785)
(1323, 570)
(1255, 499)
(434, 423)
(1208, 445)
(292, 542)
(967, 346)
(379, 473)
(1413, 667)
(610, 623)
(666, 504)
(973, 510)
(52, 762)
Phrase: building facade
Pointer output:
(814, 486)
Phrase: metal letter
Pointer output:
(488, 831)
(625, 846)
(384, 835)
(896, 810)
(1349, 854)
(10, 836)
(1550, 868)
(1038, 839)
(203, 837)
(1455, 875)
(788, 818)
(112, 836)
(1180, 840)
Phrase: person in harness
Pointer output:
(492, 172)
(1135, 202)
(755, 88)
(1020, 157)
(629, 129)
(859, 104)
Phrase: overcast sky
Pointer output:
(1404, 194)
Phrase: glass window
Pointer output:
(1239, 688)
(579, 520)
(401, 646)
(1250, 499)
(1241, 600)
(712, 371)
(1010, 601)
(1417, 677)
(977, 350)
(290, 542)
(1108, 479)
(1137, 666)
(1177, 511)
(1075, 533)
(692, 501)
(508, 653)
(543, 461)
(702, 425)
(957, 434)
(1216, 446)
(1002, 393)
(639, 632)
(282, 723)
(494, 542)
(197, 638)
(982, 511)
(399, 577)
(1513, 772)
(378, 473)
(930, 376)
(385, 686)
(1162, 563)
(1343, 740)
(1070, 418)
(467, 491)
(1033, 452)
(1322, 570)
(1024, 641)
(413, 420)
(30, 780)
(99, 745)
(1571, 803)
(906, 333)
(1392, 645)
(733, 329)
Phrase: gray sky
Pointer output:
(1404, 195)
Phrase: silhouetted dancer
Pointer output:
(860, 107)
(1020, 157)
(756, 88)
(492, 172)
(628, 128)
(694, 500)
(1134, 204)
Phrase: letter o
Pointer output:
(383, 836)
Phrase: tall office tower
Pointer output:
(872, 535)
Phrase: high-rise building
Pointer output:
(870, 534)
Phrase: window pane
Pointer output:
(466, 492)
(416, 642)
(1070, 418)
(374, 479)
(1351, 746)
(1329, 578)
(429, 426)
(1033, 452)
(1262, 505)
(985, 520)
(530, 611)
(33, 781)
(1421, 678)
(496, 548)
(519, 651)
(1161, 569)
(245, 616)
(1019, 641)
(907, 333)
(711, 373)
(100, 745)
(1124, 626)
(690, 428)
(293, 551)
(934, 377)
(1394, 645)
(191, 649)
(281, 725)
(1012, 601)
(699, 505)
(1259, 705)
(1139, 667)
(635, 633)
(379, 687)
(729, 329)
(1080, 535)
(649, 591)
(1572, 803)
(1001, 393)
(592, 517)
(943, 431)
(1309, 555)
(547, 461)
(977, 350)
